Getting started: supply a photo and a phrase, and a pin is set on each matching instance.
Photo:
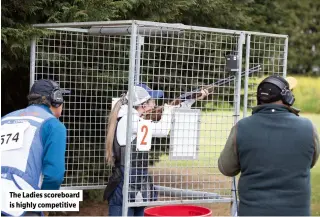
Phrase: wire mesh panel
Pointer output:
(95, 69)
(269, 53)
(173, 141)
(100, 63)
(180, 166)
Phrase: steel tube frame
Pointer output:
(32, 62)
(134, 68)
(234, 206)
(151, 24)
(285, 57)
(132, 62)
(246, 79)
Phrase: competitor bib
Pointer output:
(144, 135)
(12, 135)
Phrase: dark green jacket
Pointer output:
(274, 150)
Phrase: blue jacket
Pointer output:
(53, 138)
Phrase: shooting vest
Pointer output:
(139, 160)
(141, 185)
(275, 149)
(22, 152)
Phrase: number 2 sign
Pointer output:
(144, 135)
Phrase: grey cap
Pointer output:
(140, 95)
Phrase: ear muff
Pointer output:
(286, 95)
(56, 96)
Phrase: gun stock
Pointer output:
(155, 114)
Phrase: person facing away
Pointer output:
(141, 186)
(274, 149)
(33, 143)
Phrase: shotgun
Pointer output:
(155, 114)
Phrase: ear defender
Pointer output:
(286, 95)
(56, 96)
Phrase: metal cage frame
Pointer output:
(248, 55)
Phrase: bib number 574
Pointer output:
(5, 139)
(12, 135)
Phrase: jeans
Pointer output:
(115, 206)
(30, 213)
(115, 210)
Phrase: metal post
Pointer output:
(132, 62)
(238, 79)
(285, 57)
(140, 41)
(246, 81)
(234, 207)
(32, 61)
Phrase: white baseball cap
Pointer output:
(142, 93)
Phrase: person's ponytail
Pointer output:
(112, 124)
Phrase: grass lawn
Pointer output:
(315, 172)
(315, 190)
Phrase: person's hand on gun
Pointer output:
(204, 94)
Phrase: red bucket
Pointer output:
(177, 210)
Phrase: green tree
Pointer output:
(299, 20)
(16, 33)
(218, 13)
(17, 18)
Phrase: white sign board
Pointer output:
(184, 135)
(144, 135)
